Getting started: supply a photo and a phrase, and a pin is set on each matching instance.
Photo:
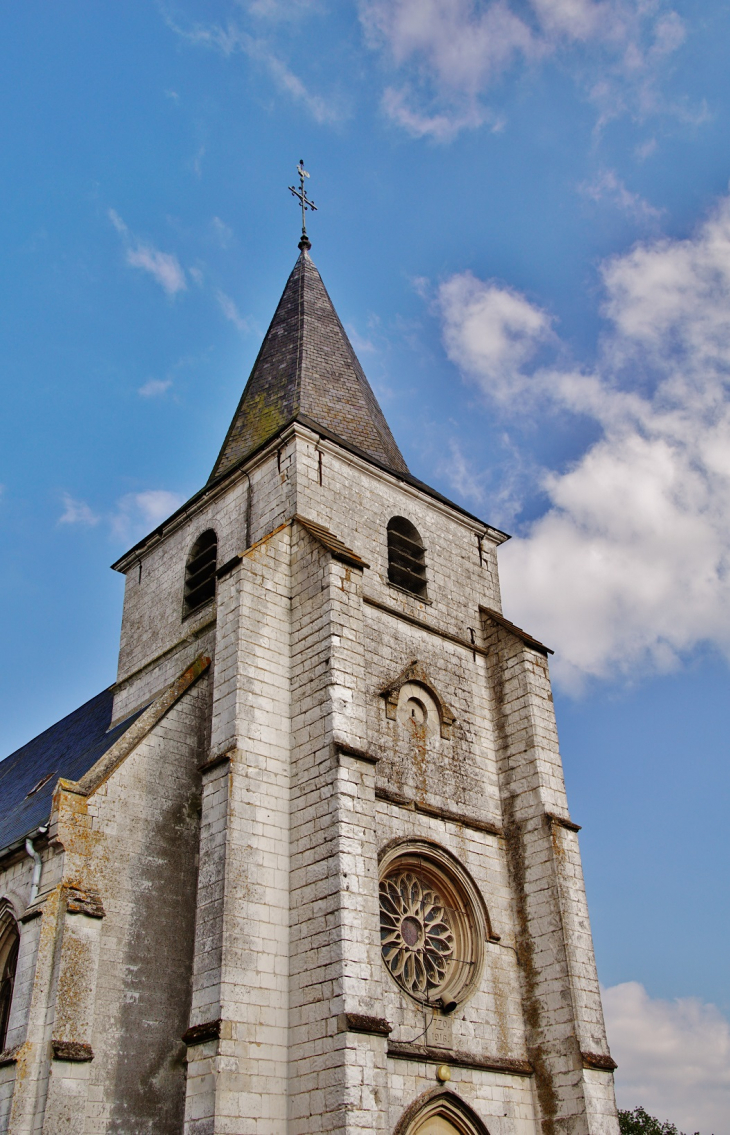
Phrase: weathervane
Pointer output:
(301, 196)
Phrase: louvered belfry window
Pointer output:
(406, 557)
(200, 572)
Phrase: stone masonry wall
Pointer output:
(307, 777)
(560, 986)
(102, 1050)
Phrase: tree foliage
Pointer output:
(639, 1122)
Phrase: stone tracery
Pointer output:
(432, 923)
(416, 935)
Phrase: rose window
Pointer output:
(432, 924)
(416, 935)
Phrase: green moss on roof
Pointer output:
(306, 366)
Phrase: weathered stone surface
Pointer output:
(232, 842)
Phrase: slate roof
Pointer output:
(67, 749)
(306, 369)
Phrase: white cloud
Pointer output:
(608, 186)
(164, 267)
(464, 478)
(462, 44)
(230, 311)
(361, 344)
(646, 149)
(450, 52)
(232, 38)
(673, 1057)
(77, 512)
(490, 331)
(223, 232)
(279, 10)
(628, 569)
(138, 513)
(155, 388)
(443, 125)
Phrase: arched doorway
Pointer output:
(440, 1113)
(435, 1125)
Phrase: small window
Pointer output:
(406, 557)
(200, 572)
(9, 943)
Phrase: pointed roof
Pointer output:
(307, 370)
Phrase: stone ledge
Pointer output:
(599, 1060)
(73, 1051)
(213, 762)
(562, 821)
(414, 621)
(84, 902)
(346, 750)
(360, 1023)
(32, 912)
(439, 813)
(332, 543)
(199, 1034)
(228, 566)
(402, 1050)
(10, 1055)
(523, 636)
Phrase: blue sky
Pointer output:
(524, 222)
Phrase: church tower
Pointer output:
(308, 866)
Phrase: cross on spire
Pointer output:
(301, 196)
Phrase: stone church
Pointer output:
(307, 866)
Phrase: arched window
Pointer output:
(200, 572)
(406, 556)
(433, 924)
(9, 942)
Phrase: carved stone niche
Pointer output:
(402, 698)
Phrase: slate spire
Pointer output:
(307, 371)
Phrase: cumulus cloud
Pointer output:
(155, 388)
(673, 1057)
(138, 513)
(449, 53)
(164, 267)
(628, 568)
(77, 512)
(491, 331)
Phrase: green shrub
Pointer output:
(639, 1122)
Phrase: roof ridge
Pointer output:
(300, 360)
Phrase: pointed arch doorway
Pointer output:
(436, 1125)
(440, 1113)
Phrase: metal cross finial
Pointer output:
(301, 196)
